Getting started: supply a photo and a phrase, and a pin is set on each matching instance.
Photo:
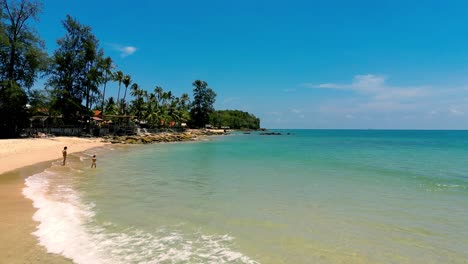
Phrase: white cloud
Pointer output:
(374, 86)
(455, 111)
(369, 82)
(125, 51)
(374, 94)
(329, 85)
(374, 101)
(298, 112)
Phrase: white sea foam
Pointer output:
(67, 228)
(61, 221)
(451, 186)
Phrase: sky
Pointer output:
(294, 64)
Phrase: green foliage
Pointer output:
(160, 108)
(127, 80)
(118, 77)
(13, 109)
(202, 107)
(75, 72)
(234, 119)
(39, 101)
(110, 107)
(22, 54)
(138, 105)
(106, 66)
(22, 58)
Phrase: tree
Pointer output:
(127, 80)
(75, 73)
(94, 77)
(106, 66)
(159, 92)
(138, 104)
(39, 101)
(22, 58)
(118, 77)
(110, 106)
(22, 54)
(184, 101)
(203, 101)
(234, 119)
(184, 105)
(152, 113)
(14, 114)
(135, 90)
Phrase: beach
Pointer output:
(20, 158)
(17, 153)
(300, 196)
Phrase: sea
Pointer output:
(305, 196)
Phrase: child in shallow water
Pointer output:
(93, 165)
(64, 153)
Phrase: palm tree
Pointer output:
(110, 106)
(94, 77)
(118, 76)
(106, 67)
(158, 91)
(169, 97)
(126, 81)
(152, 110)
(174, 112)
(134, 90)
(138, 103)
(184, 100)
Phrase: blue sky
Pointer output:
(295, 64)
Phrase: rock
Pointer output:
(130, 141)
(147, 140)
(162, 137)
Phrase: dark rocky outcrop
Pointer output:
(270, 134)
(190, 135)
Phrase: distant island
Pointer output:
(234, 119)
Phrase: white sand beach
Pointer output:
(17, 153)
(20, 158)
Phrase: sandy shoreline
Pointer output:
(20, 158)
(17, 153)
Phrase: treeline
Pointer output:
(76, 77)
(234, 119)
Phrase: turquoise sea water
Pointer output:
(314, 196)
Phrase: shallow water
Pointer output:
(315, 196)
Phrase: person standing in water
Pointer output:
(93, 165)
(64, 153)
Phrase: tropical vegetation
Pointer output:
(76, 78)
(234, 119)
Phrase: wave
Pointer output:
(67, 227)
(441, 187)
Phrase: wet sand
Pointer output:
(20, 158)
(17, 153)
(17, 243)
